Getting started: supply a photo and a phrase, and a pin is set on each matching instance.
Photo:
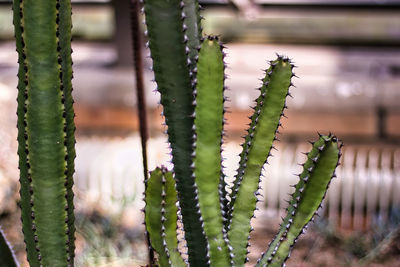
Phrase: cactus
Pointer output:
(189, 71)
(45, 129)
(217, 225)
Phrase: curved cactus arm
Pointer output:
(161, 217)
(45, 163)
(7, 256)
(256, 149)
(310, 191)
(169, 51)
(207, 161)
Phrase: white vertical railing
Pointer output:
(368, 182)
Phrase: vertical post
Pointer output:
(121, 36)
(141, 101)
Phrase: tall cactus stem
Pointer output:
(256, 149)
(207, 162)
(46, 130)
(166, 26)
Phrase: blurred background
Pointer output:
(348, 58)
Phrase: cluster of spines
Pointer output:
(299, 197)
(269, 90)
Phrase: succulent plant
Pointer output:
(189, 71)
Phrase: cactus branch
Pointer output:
(256, 149)
(310, 191)
(207, 163)
(161, 217)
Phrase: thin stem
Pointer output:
(141, 103)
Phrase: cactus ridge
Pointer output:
(256, 149)
(68, 188)
(168, 41)
(66, 74)
(306, 200)
(209, 121)
(8, 258)
(27, 215)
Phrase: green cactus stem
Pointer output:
(207, 163)
(256, 148)
(167, 24)
(46, 130)
(7, 258)
(310, 191)
(161, 217)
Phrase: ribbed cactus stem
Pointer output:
(256, 149)
(167, 26)
(46, 130)
(310, 191)
(207, 164)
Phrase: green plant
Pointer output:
(45, 130)
(189, 71)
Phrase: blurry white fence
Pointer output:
(368, 184)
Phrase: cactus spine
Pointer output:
(221, 222)
(45, 129)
